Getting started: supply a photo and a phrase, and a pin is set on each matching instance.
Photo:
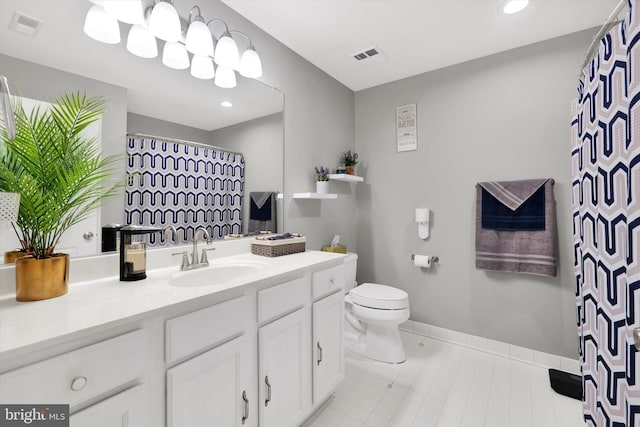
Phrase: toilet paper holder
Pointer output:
(433, 258)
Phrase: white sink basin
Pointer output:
(218, 273)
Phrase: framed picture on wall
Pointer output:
(406, 128)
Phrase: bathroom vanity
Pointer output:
(263, 348)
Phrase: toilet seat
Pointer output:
(380, 297)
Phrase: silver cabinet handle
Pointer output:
(319, 353)
(332, 281)
(268, 384)
(245, 414)
(88, 235)
(636, 338)
(78, 383)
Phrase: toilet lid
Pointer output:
(379, 296)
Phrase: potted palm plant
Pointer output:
(61, 177)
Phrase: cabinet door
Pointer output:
(126, 409)
(328, 348)
(283, 384)
(211, 389)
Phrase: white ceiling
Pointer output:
(152, 89)
(416, 35)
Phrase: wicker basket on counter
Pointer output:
(274, 248)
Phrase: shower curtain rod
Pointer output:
(606, 26)
(183, 141)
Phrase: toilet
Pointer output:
(373, 313)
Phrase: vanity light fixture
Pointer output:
(225, 78)
(161, 20)
(127, 11)
(141, 42)
(175, 56)
(202, 67)
(226, 49)
(514, 6)
(250, 64)
(198, 39)
(101, 26)
(164, 22)
(226, 104)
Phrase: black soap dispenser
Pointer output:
(133, 252)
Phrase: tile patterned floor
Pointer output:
(445, 385)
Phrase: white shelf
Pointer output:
(345, 177)
(314, 196)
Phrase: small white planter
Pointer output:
(322, 187)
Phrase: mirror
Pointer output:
(143, 96)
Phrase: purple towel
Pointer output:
(531, 252)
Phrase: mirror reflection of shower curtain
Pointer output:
(605, 155)
(187, 186)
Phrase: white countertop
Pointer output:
(99, 302)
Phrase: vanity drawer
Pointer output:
(283, 298)
(328, 281)
(78, 375)
(195, 331)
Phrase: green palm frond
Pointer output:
(59, 172)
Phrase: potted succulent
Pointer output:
(349, 160)
(61, 177)
(322, 179)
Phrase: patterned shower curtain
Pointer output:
(186, 186)
(606, 225)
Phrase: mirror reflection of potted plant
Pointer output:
(349, 160)
(322, 179)
(61, 177)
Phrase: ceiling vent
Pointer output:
(24, 24)
(369, 56)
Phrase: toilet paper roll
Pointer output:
(423, 261)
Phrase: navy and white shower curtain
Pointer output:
(606, 225)
(183, 185)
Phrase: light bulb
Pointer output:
(101, 26)
(202, 67)
(141, 42)
(128, 11)
(225, 78)
(199, 40)
(175, 56)
(250, 65)
(164, 22)
(227, 52)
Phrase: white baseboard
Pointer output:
(499, 348)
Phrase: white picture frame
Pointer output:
(406, 127)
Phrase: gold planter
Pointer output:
(11, 256)
(351, 170)
(38, 279)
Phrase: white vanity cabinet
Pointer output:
(328, 347)
(327, 331)
(88, 374)
(125, 409)
(212, 388)
(284, 377)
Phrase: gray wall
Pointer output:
(45, 84)
(501, 117)
(137, 123)
(318, 126)
(260, 141)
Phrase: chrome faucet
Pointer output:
(200, 232)
(170, 230)
(195, 263)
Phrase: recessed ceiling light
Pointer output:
(514, 6)
(226, 104)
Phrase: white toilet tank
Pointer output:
(350, 265)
